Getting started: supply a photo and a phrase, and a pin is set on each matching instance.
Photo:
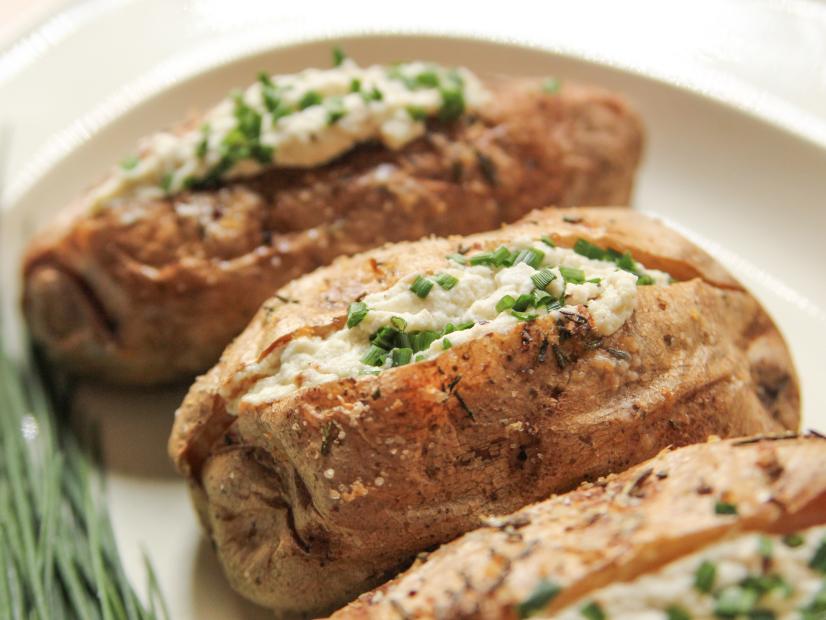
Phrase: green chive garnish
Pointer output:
(818, 561)
(421, 341)
(427, 79)
(338, 56)
(506, 303)
(130, 162)
(502, 257)
(542, 298)
(547, 241)
(677, 613)
(446, 344)
(735, 600)
(458, 258)
(793, 540)
(705, 576)
(589, 250)
(400, 357)
(572, 275)
(594, 280)
(446, 281)
(453, 103)
(538, 599)
(645, 280)
(523, 302)
(417, 113)
(421, 286)
(592, 611)
(399, 323)
(335, 110)
(523, 316)
(355, 85)
(309, 99)
(166, 182)
(530, 256)
(541, 279)
(724, 508)
(374, 356)
(385, 337)
(356, 313)
(463, 326)
(551, 86)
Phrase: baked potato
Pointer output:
(148, 277)
(728, 529)
(378, 406)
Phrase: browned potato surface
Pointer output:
(418, 453)
(619, 528)
(152, 291)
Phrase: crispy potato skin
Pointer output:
(159, 288)
(621, 527)
(419, 452)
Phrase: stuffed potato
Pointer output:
(149, 276)
(378, 406)
(734, 529)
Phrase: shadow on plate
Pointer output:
(133, 425)
(212, 596)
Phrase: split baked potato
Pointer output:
(730, 529)
(150, 284)
(378, 406)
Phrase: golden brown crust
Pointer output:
(614, 530)
(417, 453)
(159, 288)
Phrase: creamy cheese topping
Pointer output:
(463, 302)
(304, 119)
(752, 576)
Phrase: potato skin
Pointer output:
(616, 529)
(419, 452)
(159, 288)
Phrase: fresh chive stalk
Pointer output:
(57, 548)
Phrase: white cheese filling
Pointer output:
(609, 298)
(320, 114)
(790, 584)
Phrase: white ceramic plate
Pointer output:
(749, 191)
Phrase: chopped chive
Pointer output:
(793, 540)
(818, 561)
(166, 182)
(356, 313)
(592, 611)
(417, 113)
(541, 279)
(355, 85)
(523, 316)
(385, 337)
(446, 344)
(338, 56)
(458, 258)
(551, 86)
(542, 298)
(547, 241)
(506, 303)
(538, 599)
(594, 280)
(203, 144)
(130, 163)
(735, 600)
(309, 99)
(421, 287)
(448, 329)
(626, 262)
(502, 257)
(421, 341)
(427, 79)
(589, 250)
(446, 281)
(335, 110)
(400, 357)
(644, 280)
(374, 356)
(419, 358)
(483, 258)
(530, 256)
(676, 613)
(765, 546)
(705, 576)
(373, 94)
(398, 322)
(523, 302)
(724, 508)
(453, 103)
(572, 275)
(463, 326)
